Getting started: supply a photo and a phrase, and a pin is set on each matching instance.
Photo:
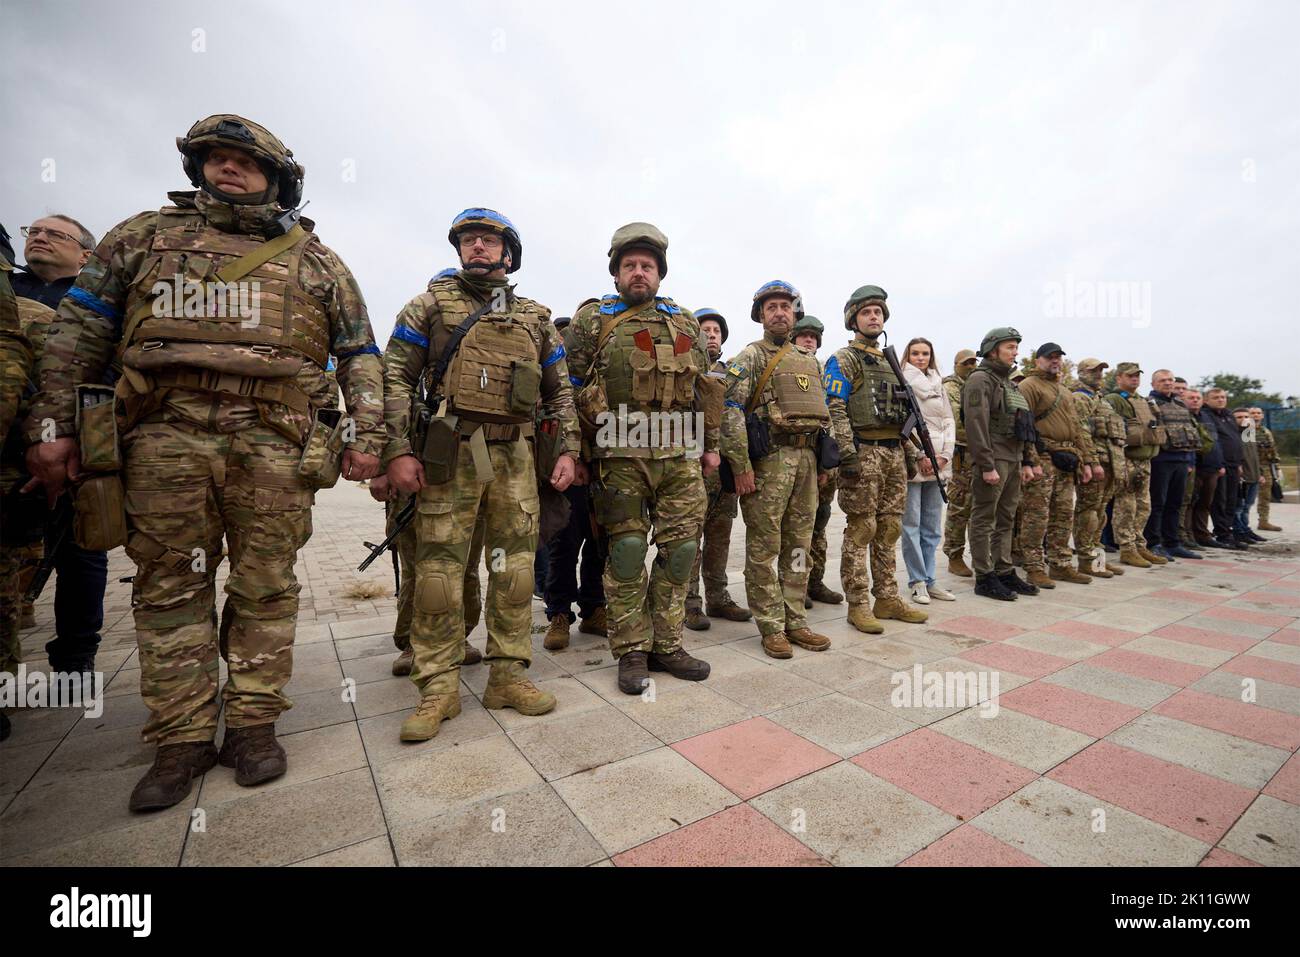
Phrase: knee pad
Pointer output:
(433, 593)
(888, 530)
(520, 587)
(678, 560)
(627, 556)
(861, 533)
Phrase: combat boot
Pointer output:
(557, 635)
(169, 781)
(696, 620)
(1088, 568)
(1113, 569)
(1269, 527)
(990, 586)
(633, 672)
(860, 617)
(1064, 573)
(595, 624)
(472, 655)
(730, 611)
(898, 610)
(807, 602)
(254, 754)
(957, 566)
(775, 645)
(518, 693)
(432, 710)
(679, 664)
(809, 639)
(404, 661)
(818, 591)
(1151, 556)
(1131, 556)
(1016, 585)
(1039, 577)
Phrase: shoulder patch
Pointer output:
(837, 386)
(736, 369)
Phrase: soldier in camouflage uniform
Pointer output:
(954, 526)
(1267, 457)
(808, 333)
(776, 380)
(865, 405)
(639, 360)
(1106, 430)
(484, 399)
(217, 410)
(1143, 439)
(718, 517)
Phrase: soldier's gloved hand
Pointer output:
(379, 488)
(710, 461)
(53, 464)
(358, 466)
(563, 474)
(406, 474)
(745, 484)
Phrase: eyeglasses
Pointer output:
(30, 231)
(489, 240)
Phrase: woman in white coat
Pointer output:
(923, 516)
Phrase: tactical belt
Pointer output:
(497, 431)
(795, 440)
(282, 391)
(882, 443)
(959, 450)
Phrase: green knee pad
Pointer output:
(627, 556)
(889, 528)
(679, 560)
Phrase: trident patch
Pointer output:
(803, 382)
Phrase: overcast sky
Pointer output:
(1121, 178)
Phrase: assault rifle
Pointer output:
(400, 521)
(58, 529)
(915, 428)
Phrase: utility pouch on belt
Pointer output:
(441, 447)
(525, 387)
(546, 449)
(713, 394)
(100, 513)
(1063, 460)
(97, 429)
(592, 407)
(613, 506)
(828, 451)
(759, 438)
(322, 456)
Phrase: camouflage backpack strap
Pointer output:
(767, 374)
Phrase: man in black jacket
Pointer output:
(56, 249)
(1228, 434)
(1177, 457)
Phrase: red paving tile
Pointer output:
(1182, 595)
(754, 756)
(1254, 667)
(1285, 785)
(1152, 667)
(1286, 636)
(1204, 636)
(953, 776)
(1244, 614)
(1230, 569)
(1076, 710)
(1101, 634)
(1021, 661)
(1270, 598)
(736, 837)
(1196, 804)
(973, 626)
(1218, 857)
(970, 847)
(1250, 721)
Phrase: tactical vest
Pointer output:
(187, 310)
(1104, 423)
(793, 398)
(651, 359)
(1143, 435)
(875, 409)
(495, 375)
(8, 301)
(1180, 430)
(1003, 421)
(956, 406)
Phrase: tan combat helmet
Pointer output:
(227, 129)
(639, 236)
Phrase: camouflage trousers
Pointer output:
(632, 495)
(1132, 505)
(1090, 504)
(1265, 498)
(404, 548)
(447, 516)
(959, 502)
(711, 558)
(1046, 511)
(873, 500)
(11, 607)
(187, 489)
(825, 502)
(779, 518)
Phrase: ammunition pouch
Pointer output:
(525, 387)
(99, 524)
(758, 436)
(322, 456)
(438, 445)
(1064, 460)
(96, 424)
(1022, 426)
(547, 449)
(828, 451)
(712, 389)
(592, 406)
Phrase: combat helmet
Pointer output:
(481, 217)
(639, 236)
(861, 296)
(227, 129)
(708, 313)
(777, 287)
(995, 336)
(809, 324)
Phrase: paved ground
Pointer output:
(1121, 737)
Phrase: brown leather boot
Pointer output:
(557, 635)
(818, 591)
(1151, 556)
(696, 620)
(1039, 577)
(679, 664)
(1064, 573)
(730, 611)
(472, 655)
(775, 645)
(595, 624)
(404, 662)
(807, 638)
(633, 672)
(170, 779)
(254, 754)
(1131, 556)
(957, 566)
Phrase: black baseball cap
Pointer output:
(1046, 349)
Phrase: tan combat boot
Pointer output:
(899, 610)
(775, 645)
(595, 624)
(1269, 527)
(807, 638)
(472, 655)
(1087, 567)
(957, 566)
(1039, 577)
(1151, 556)
(254, 754)
(557, 635)
(404, 661)
(172, 776)
(860, 617)
(518, 693)
(431, 712)
(1131, 556)
(1064, 573)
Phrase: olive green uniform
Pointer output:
(959, 499)
(1267, 456)
(1143, 439)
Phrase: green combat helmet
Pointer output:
(809, 324)
(639, 236)
(995, 336)
(706, 312)
(777, 287)
(226, 129)
(861, 297)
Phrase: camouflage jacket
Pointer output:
(1267, 446)
(34, 320)
(1093, 411)
(122, 270)
(419, 337)
(952, 385)
(743, 373)
(15, 352)
(842, 373)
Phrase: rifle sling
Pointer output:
(762, 381)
